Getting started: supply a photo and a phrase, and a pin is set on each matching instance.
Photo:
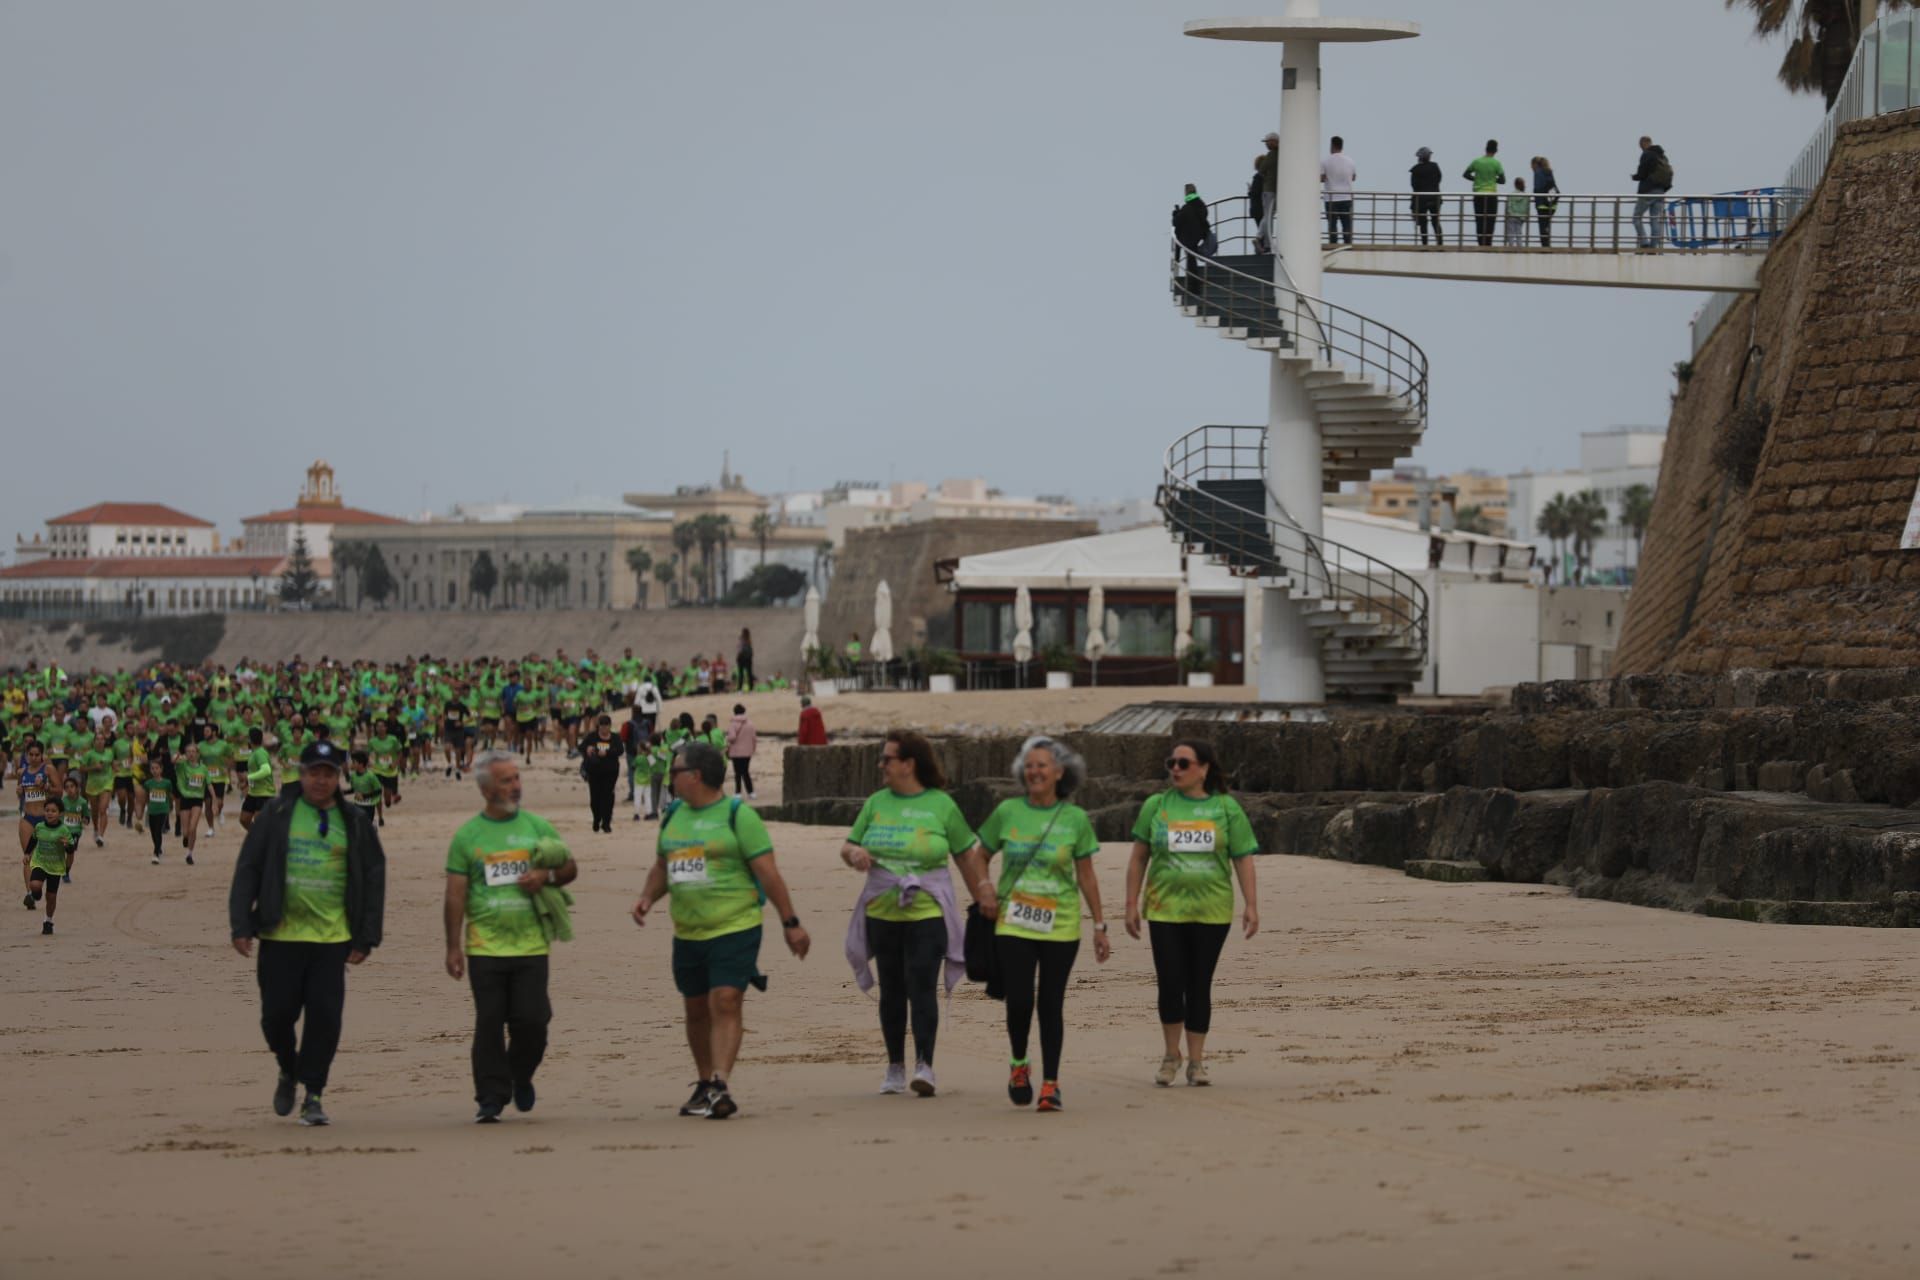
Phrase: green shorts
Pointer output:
(730, 960)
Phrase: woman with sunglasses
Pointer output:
(905, 921)
(1190, 843)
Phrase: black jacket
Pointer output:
(1190, 224)
(600, 762)
(258, 898)
(1426, 176)
(1649, 161)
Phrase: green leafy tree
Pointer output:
(639, 560)
(299, 584)
(767, 584)
(482, 578)
(1821, 35)
(376, 580)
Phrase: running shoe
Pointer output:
(1197, 1073)
(66, 879)
(701, 1103)
(189, 859)
(721, 1104)
(1169, 1068)
(283, 1095)
(99, 843)
(896, 1078)
(30, 902)
(1050, 1099)
(156, 859)
(46, 928)
(523, 1096)
(923, 1079)
(312, 1114)
(1020, 1084)
(489, 1113)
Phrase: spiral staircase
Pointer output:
(1368, 387)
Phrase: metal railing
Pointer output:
(1884, 76)
(1242, 299)
(1254, 544)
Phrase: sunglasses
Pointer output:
(322, 829)
(682, 768)
(1177, 763)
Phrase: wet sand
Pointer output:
(1411, 1078)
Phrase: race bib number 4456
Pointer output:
(1189, 837)
(506, 867)
(687, 866)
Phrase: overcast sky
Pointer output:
(474, 250)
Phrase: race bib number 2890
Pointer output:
(506, 868)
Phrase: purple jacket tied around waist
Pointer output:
(879, 881)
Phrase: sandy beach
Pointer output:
(1411, 1078)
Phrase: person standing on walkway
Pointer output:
(1190, 843)
(600, 754)
(715, 864)
(1425, 176)
(740, 742)
(1654, 178)
(1046, 849)
(311, 885)
(1337, 176)
(743, 662)
(500, 864)
(1266, 166)
(905, 921)
(1487, 176)
(1517, 214)
(1546, 198)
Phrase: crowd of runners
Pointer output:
(318, 755)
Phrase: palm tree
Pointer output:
(512, 579)
(639, 561)
(1588, 513)
(707, 534)
(1821, 38)
(1556, 521)
(685, 534)
(723, 529)
(666, 572)
(762, 527)
(1636, 513)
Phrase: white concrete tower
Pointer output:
(1290, 662)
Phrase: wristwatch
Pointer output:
(792, 922)
(1099, 926)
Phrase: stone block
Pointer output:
(1449, 872)
(1781, 775)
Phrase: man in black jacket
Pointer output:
(1426, 196)
(1194, 230)
(1652, 180)
(310, 884)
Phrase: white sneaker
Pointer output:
(896, 1081)
(923, 1079)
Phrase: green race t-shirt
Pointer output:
(316, 879)
(158, 798)
(710, 890)
(1044, 902)
(191, 778)
(99, 767)
(385, 754)
(260, 773)
(493, 855)
(366, 788)
(1190, 848)
(52, 842)
(910, 836)
(1486, 173)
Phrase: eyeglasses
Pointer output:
(1177, 763)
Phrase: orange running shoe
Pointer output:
(1050, 1099)
(1020, 1084)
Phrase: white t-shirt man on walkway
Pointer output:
(1337, 175)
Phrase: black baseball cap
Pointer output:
(322, 752)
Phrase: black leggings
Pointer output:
(1020, 959)
(742, 778)
(909, 957)
(1184, 956)
(157, 827)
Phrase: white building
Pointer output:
(854, 504)
(318, 512)
(1611, 462)
(108, 529)
(147, 584)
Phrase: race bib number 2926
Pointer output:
(1190, 837)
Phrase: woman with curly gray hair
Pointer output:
(1048, 846)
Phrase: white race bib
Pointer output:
(1027, 912)
(1189, 837)
(687, 866)
(506, 867)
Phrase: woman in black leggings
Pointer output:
(1046, 849)
(1190, 844)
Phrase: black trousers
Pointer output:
(1486, 212)
(1184, 957)
(1021, 960)
(510, 1016)
(297, 978)
(742, 775)
(1426, 216)
(600, 789)
(1546, 229)
(157, 828)
(908, 957)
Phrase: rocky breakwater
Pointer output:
(1776, 796)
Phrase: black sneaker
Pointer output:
(701, 1103)
(30, 901)
(720, 1103)
(523, 1096)
(283, 1096)
(312, 1114)
(189, 859)
(46, 927)
(489, 1113)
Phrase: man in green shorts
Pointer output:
(495, 874)
(311, 885)
(715, 862)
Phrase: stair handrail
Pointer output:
(1396, 360)
(1239, 453)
